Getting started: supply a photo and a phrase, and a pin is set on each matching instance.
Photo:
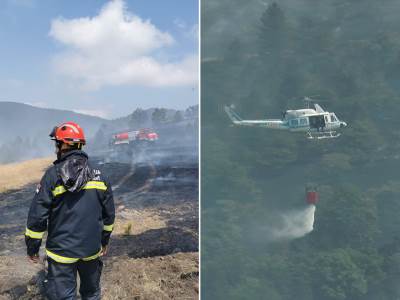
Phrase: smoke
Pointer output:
(177, 140)
(295, 224)
(155, 154)
(160, 153)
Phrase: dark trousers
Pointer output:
(61, 280)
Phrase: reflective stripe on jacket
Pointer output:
(78, 223)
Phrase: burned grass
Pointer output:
(153, 251)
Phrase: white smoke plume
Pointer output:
(295, 224)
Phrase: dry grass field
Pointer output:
(16, 175)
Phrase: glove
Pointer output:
(32, 246)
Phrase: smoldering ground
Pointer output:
(176, 144)
(156, 198)
(156, 195)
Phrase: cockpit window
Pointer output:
(333, 118)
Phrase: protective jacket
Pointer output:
(74, 203)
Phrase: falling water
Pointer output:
(295, 224)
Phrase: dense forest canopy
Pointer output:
(264, 57)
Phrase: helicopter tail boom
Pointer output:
(235, 118)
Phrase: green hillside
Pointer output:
(264, 59)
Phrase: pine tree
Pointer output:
(159, 116)
(138, 118)
(273, 27)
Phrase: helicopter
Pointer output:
(315, 122)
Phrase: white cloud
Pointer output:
(91, 112)
(190, 32)
(117, 47)
(181, 24)
(194, 32)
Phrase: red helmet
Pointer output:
(69, 133)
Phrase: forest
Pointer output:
(265, 58)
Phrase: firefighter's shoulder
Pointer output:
(49, 177)
(98, 172)
(48, 180)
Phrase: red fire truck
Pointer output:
(134, 137)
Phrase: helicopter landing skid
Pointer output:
(322, 135)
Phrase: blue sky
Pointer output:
(100, 57)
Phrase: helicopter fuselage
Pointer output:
(318, 121)
(309, 120)
(300, 122)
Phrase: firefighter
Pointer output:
(74, 203)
